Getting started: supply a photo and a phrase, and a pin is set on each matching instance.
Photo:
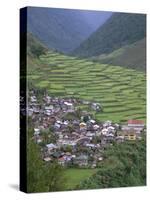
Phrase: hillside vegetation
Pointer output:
(63, 29)
(121, 91)
(132, 56)
(34, 47)
(119, 30)
(124, 166)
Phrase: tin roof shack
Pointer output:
(51, 147)
(33, 99)
(36, 131)
(67, 106)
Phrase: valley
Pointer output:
(86, 99)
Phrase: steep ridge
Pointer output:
(119, 30)
(63, 29)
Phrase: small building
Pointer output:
(61, 161)
(100, 158)
(36, 131)
(57, 125)
(137, 125)
(92, 121)
(57, 155)
(130, 135)
(47, 159)
(81, 161)
(107, 123)
(120, 138)
(51, 147)
(82, 125)
(96, 106)
(96, 127)
(33, 99)
(30, 111)
(69, 105)
(104, 131)
(91, 145)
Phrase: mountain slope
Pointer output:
(133, 56)
(119, 30)
(121, 91)
(63, 29)
(34, 47)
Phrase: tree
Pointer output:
(68, 148)
(124, 165)
(54, 179)
(42, 177)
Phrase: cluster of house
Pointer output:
(78, 140)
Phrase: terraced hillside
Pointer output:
(121, 91)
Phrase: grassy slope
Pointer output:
(75, 176)
(133, 56)
(120, 90)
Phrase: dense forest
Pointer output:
(119, 30)
(63, 29)
(34, 47)
(124, 166)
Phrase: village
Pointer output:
(71, 135)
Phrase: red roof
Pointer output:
(61, 159)
(132, 121)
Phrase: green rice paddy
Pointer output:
(120, 90)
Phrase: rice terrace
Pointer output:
(120, 90)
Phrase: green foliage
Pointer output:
(35, 48)
(124, 165)
(119, 30)
(68, 148)
(121, 91)
(63, 29)
(132, 56)
(75, 175)
(42, 177)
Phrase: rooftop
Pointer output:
(132, 121)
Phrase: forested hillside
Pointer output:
(34, 47)
(119, 30)
(132, 56)
(63, 29)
